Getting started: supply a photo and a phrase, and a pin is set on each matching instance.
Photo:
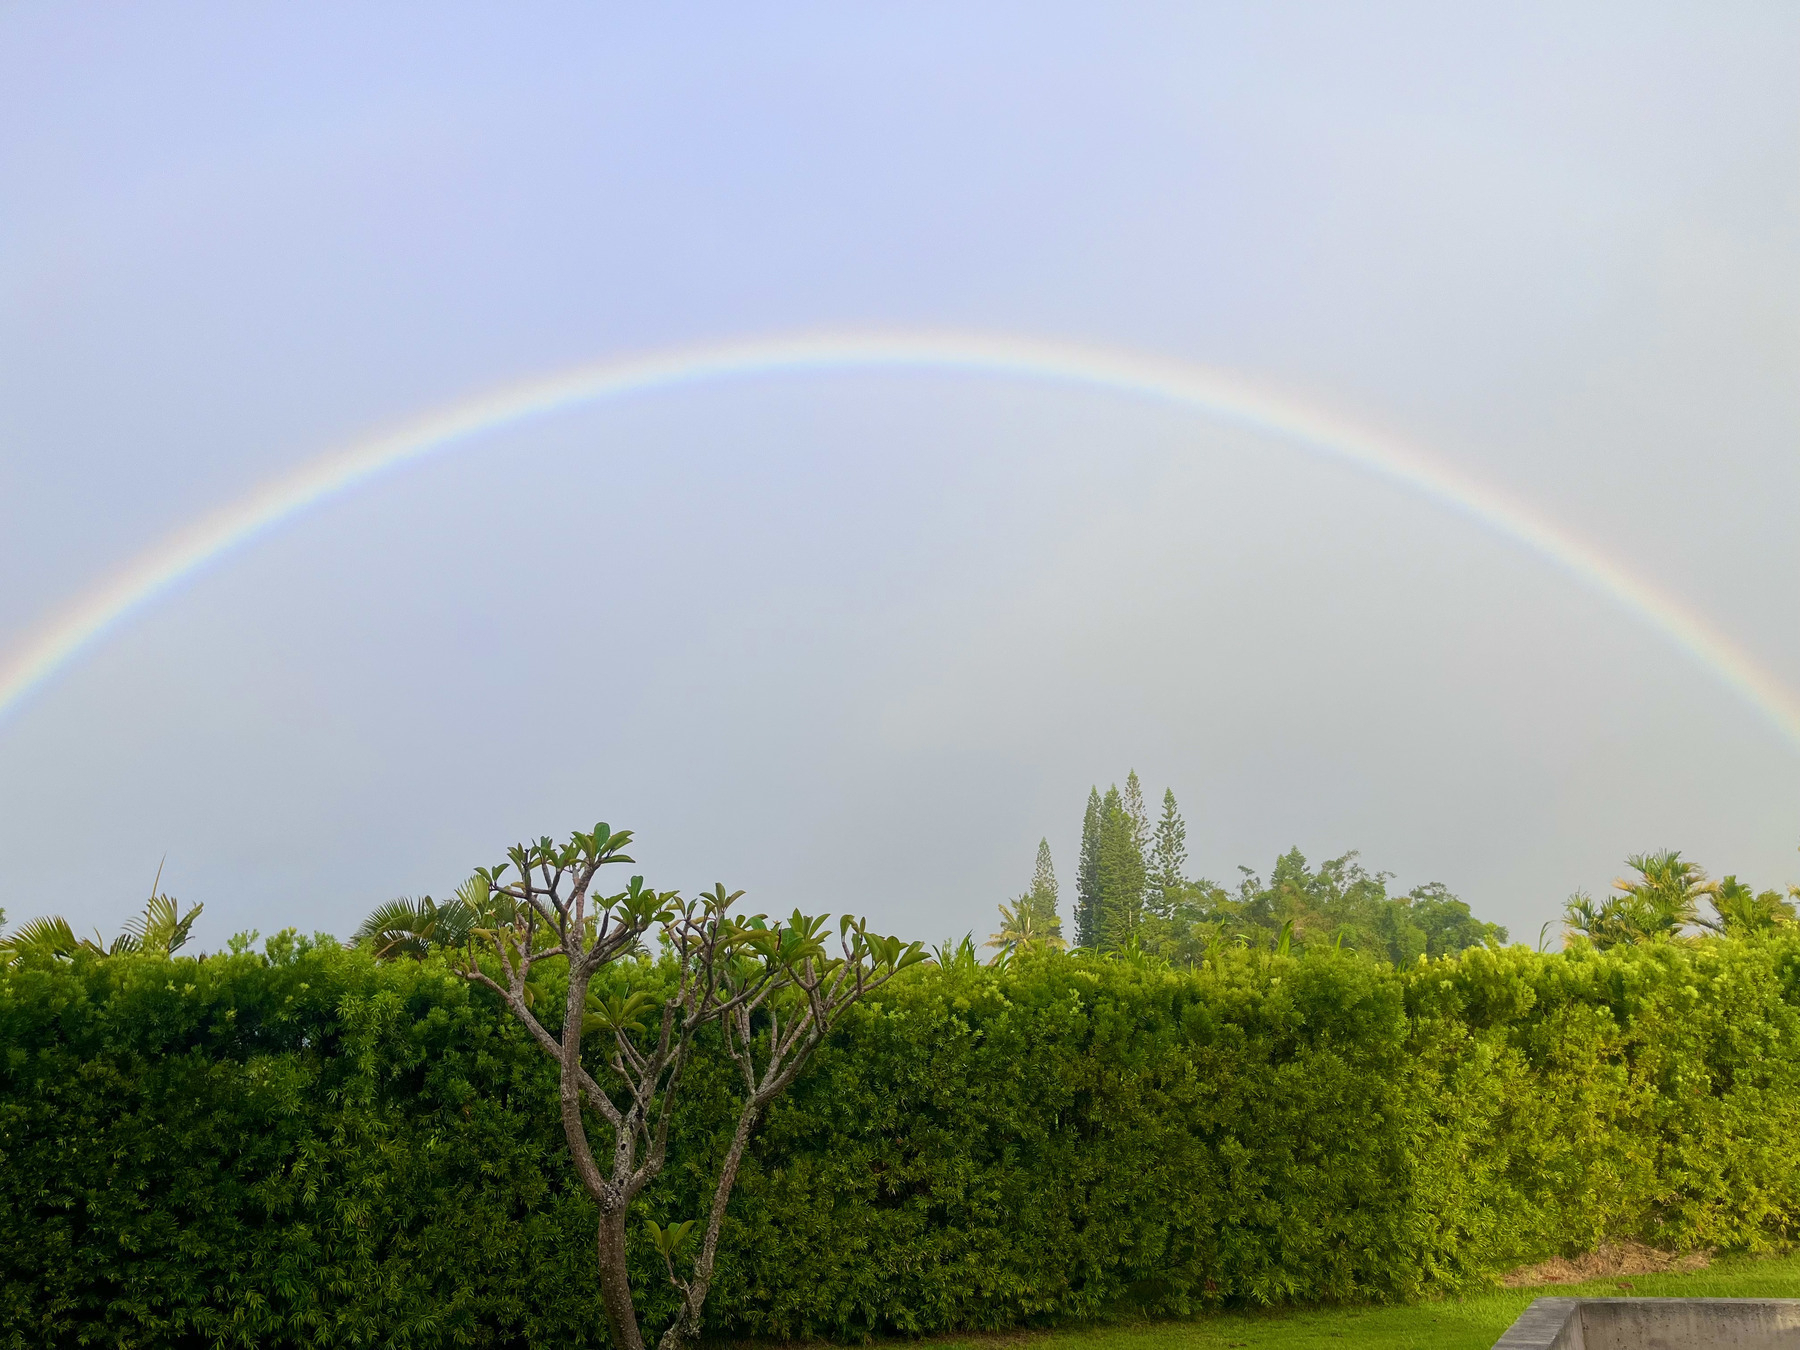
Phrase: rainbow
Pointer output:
(1227, 398)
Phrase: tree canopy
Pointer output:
(1134, 894)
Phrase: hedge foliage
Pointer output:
(305, 1147)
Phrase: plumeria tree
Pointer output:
(774, 990)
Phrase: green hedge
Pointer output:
(308, 1148)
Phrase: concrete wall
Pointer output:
(1656, 1324)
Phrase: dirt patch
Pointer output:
(1613, 1258)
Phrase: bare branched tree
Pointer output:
(773, 989)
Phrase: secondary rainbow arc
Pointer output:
(92, 616)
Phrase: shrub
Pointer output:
(307, 1147)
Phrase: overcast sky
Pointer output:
(856, 642)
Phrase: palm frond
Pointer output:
(398, 927)
(1743, 911)
(161, 928)
(1022, 928)
(47, 937)
(957, 955)
(404, 926)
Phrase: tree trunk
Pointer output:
(686, 1325)
(615, 1283)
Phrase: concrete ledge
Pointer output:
(1655, 1324)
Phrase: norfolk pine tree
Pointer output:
(1168, 857)
(1139, 814)
(1043, 892)
(1121, 875)
(1087, 877)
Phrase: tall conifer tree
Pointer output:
(1043, 892)
(1168, 856)
(1135, 811)
(1121, 875)
(1087, 876)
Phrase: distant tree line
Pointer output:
(1133, 894)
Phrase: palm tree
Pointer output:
(1666, 894)
(1742, 911)
(407, 927)
(49, 937)
(1658, 904)
(162, 929)
(1605, 923)
(951, 955)
(1022, 927)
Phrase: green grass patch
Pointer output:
(1459, 1324)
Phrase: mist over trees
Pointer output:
(1132, 893)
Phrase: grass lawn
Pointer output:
(1466, 1324)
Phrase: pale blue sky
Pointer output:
(856, 642)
